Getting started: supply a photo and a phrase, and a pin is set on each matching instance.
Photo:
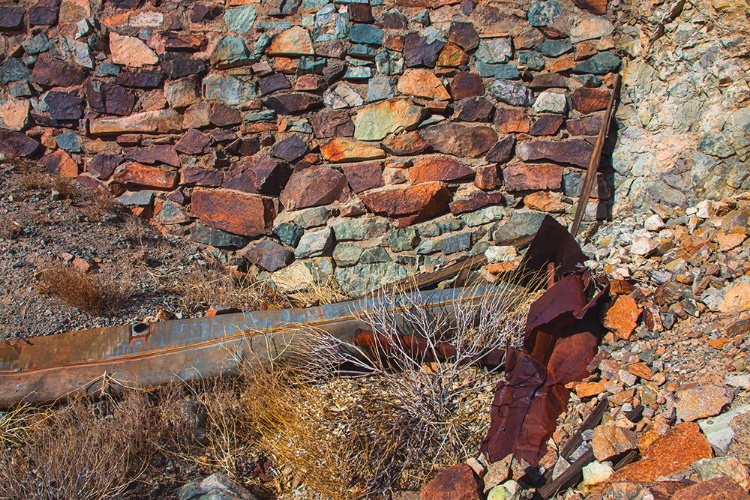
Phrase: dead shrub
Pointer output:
(78, 289)
(9, 229)
(78, 450)
(358, 422)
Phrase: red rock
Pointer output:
(547, 124)
(44, 13)
(598, 7)
(258, 174)
(719, 488)
(588, 125)
(473, 109)
(486, 177)
(136, 174)
(313, 186)
(110, 99)
(675, 450)
(103, 165)
(406, 144)
(222, 115)
(526, 177)
(439, 168)
(309, 83)
(360, 13)
(548, 81)
(464, 35)
(292, 42)
(511, 120)
(573, 151)
(193, 142)
(622, 316)
(342, 150)
(184, 43)
(364, 176)
(268, 254)
(151, 155)
(293, 102)
(503, 150)
(54, 73)
(60, 163)
(17, 143)
(454, 483)
(460, 140)
(192, 176)
(412, 204)
(466, 84)
(237, 213)
(475, 201)
(179, 68)
(587, 100)
(331, 123)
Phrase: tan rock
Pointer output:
(622, 317)
(610, 440)
(376, 121)
(14, 114)
(544, 201)
(452, 56)
(641, 370)
(729, 241)
(130, 51)
(422, 83)
(736, 299)
(163, 121)
(72, 11)
(702, 401)
(293, 42)
(341, 150)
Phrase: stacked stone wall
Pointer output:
(312, 137)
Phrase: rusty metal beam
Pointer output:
(43, 369)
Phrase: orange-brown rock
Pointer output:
(457, 482)
(510, 120)
(487, 177)
(406, 144)
(675, 450)
(163, 121)
(466, 84)
(439, 168)
(719, 488)
(544, 201)
(526, 177)
(452, 56)
(460, 140)
(620, 287)
(411, 204)
(60, 163)
(313, 186)
(641, 370)
(476, 200)
(422, 83)
(587, 100)
(238, 213)
(342, 150)
(588, 389)
(293, 42)
(137, 174)
(622, 316)
(610, 440)
(598, 7)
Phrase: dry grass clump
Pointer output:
(73, 451)
(77, 288)
(9, 229)
(363, 422)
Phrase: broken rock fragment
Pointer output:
(238, 213)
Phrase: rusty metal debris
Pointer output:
(561, 337)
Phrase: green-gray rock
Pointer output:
(519, 224)
(359, 229)
(314, 244)
(240, 20)
(599, 64)
(362, 278)
(347, 255)
(313, 217)
(403, 239)
(289, 234)
(375, 255)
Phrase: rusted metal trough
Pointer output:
(43, 369)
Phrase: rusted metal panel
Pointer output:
(47, 368)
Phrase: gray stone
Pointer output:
(268, 254)
(447, 244)
(314, 244)
(240, 19)
(172, 213)
(361, 51)
(544, 12)
(20, 89)
(230, 52)
(714, 144)
(380, 88)
(483, 216)
(737, 130)
(503, 71)
(366, 33)
(347, 255)
(359, 230)
(718, 429)
(439, 226)
(289, 234)
(403, 240)
(358, 73)
(599, 64)
(231, 90)
(531, 60)
(388, 62)
(330, 24)
(550, 102)
(216, 237)
(13, 70)
(515, 94)
(494, 50)
(37, 44)
(554, 48)
(69, 141)
(107, 69)
(136, 198)
(313, 217)
(519, 224)
(362, 278)
(215, 487)
(375, 255)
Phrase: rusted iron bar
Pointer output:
(590, 178)
(47, 368)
